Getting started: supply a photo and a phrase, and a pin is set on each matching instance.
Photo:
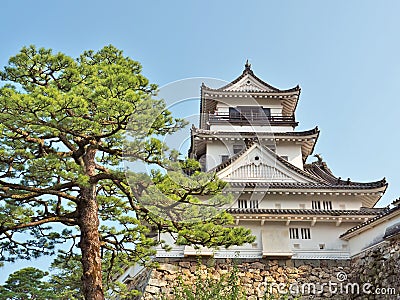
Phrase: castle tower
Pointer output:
(296, 210)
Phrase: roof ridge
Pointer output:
(248, 71)
(231, 159)
(291, 166)
(384, 213)
(321, 169)
(265, 148)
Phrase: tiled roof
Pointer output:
(233, 158)
(257, 134)
(318, 172)
(385, 212)
(208, 103)
(248, 71)
(296, 185)
(362, 211)
(321, 170)
(309, 137)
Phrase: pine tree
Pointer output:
(27, 283)
(62, 134)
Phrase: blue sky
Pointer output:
(344, 55)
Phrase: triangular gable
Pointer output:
(258, 164)
(249, 83)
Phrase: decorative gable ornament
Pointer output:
(259, 164)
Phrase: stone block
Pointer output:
(169, 268)
(152, 289)
(184, 264)
(157, 282)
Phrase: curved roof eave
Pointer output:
(248, 71)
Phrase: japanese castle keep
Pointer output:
(309, 224)
(296, 210)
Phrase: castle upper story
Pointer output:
(248, 104)
(246, 109)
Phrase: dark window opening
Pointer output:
(327, 205)
(242, 203)
(305, 233)
(237, 148)
(250, 113)
(316, 205)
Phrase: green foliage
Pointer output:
(206, 287)
(27, 283)
(66, 277)
(65, 126)
(66, 273)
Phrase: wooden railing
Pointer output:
(251, 118)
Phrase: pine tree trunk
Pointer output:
(90, 241)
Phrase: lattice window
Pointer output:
(305, 233)
(242, 203)
(294, 233)
(316, 205)
(327, 205)
(253, 204)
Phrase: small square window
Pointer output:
(278, 206)
(296, 246)
(321, 246)
(224, 158)
(302, 206)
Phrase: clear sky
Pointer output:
(345, 55)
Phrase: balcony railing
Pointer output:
(251, 119)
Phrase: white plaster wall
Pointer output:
(292, 151)
(326, 233)
(214, 152)
(321, 233)
(294, 201)
(371, 236)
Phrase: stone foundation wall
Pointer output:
(359, 278)
(378, 270)
(140, 282)
(260, 279)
